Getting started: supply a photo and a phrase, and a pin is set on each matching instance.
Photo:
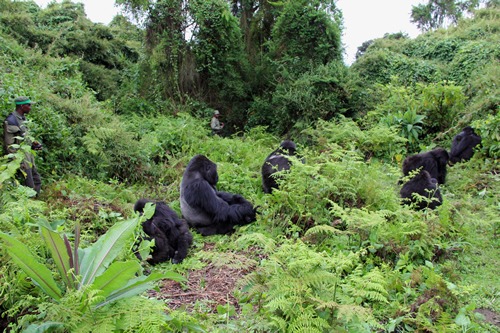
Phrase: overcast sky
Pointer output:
(363, 19)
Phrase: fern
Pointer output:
(324, 230)
(307, 288)
(266, 244)
(369, 287)
(228, 259)
(136, 314)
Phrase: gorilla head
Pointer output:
(274, 162)
(462, 147)
(171, 234)
(287, 147)
(434, 162)
(204, 208)
(421, 190)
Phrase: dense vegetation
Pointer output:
(122, 109)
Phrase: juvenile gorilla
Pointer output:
(434, 162)
(204, 208)
(276, 161)
(462, 147)
(171, 234)
(425, 186)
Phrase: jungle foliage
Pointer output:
(121, 110)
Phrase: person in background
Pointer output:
(215, 124)
(14, 132)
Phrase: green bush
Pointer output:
(472, 57)
(489, 130)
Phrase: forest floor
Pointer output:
(209, 287)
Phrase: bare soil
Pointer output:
(490, 317)
(211, 285)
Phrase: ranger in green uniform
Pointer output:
(215, 124)
(14, 132)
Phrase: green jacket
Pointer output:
(14, 129)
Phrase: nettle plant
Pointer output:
(89, 281)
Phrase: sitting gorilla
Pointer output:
(425, 186)
(204, 208)
(171, 234)
(462, 147)
(434, 162)
(276, 161)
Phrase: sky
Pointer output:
(363, 19)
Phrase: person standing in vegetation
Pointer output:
(215, 124)
(14, 132)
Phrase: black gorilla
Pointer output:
(204, 208)
(434, 162)
(171, 234)
(462, 147)
(276, 161)
(425, 186)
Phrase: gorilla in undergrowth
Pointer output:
(421, 190)
(462, 147)
(171, 234)
(206, 209)
(275, 162)
(434, 162)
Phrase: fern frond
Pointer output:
(308, 322)
(267, 244)
(228, 259)
(324, 230)
(369, 287)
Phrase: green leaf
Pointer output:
(96, 258)
(116, 277)
(59, 253)
(462, 320)
(49, 326)
(39, 273)
(139, 285)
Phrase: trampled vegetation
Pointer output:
(121, 110)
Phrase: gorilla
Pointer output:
(276, 161)
(462, 147)
(171, 234)
(206, 209)
(425, 186)
(434, 162)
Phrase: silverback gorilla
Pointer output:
(276, 161)
(462, 147)
(425, 186)
(171, 234)
(204, 208)
(434, 162)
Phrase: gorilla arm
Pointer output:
(211, 214)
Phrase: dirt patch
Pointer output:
(212, 285)
(490, 317)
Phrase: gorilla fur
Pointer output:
(434, 162)
(204, 208)
(462, 146)
(275, 162)
(171, 234)
(425, 186)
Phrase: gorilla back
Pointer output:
(171, 234)
(433, 161)
(204, 208)
(426, 188)
(275, 162)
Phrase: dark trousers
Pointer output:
(33, 179)
(30, 176)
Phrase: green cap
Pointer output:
(23, 100)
